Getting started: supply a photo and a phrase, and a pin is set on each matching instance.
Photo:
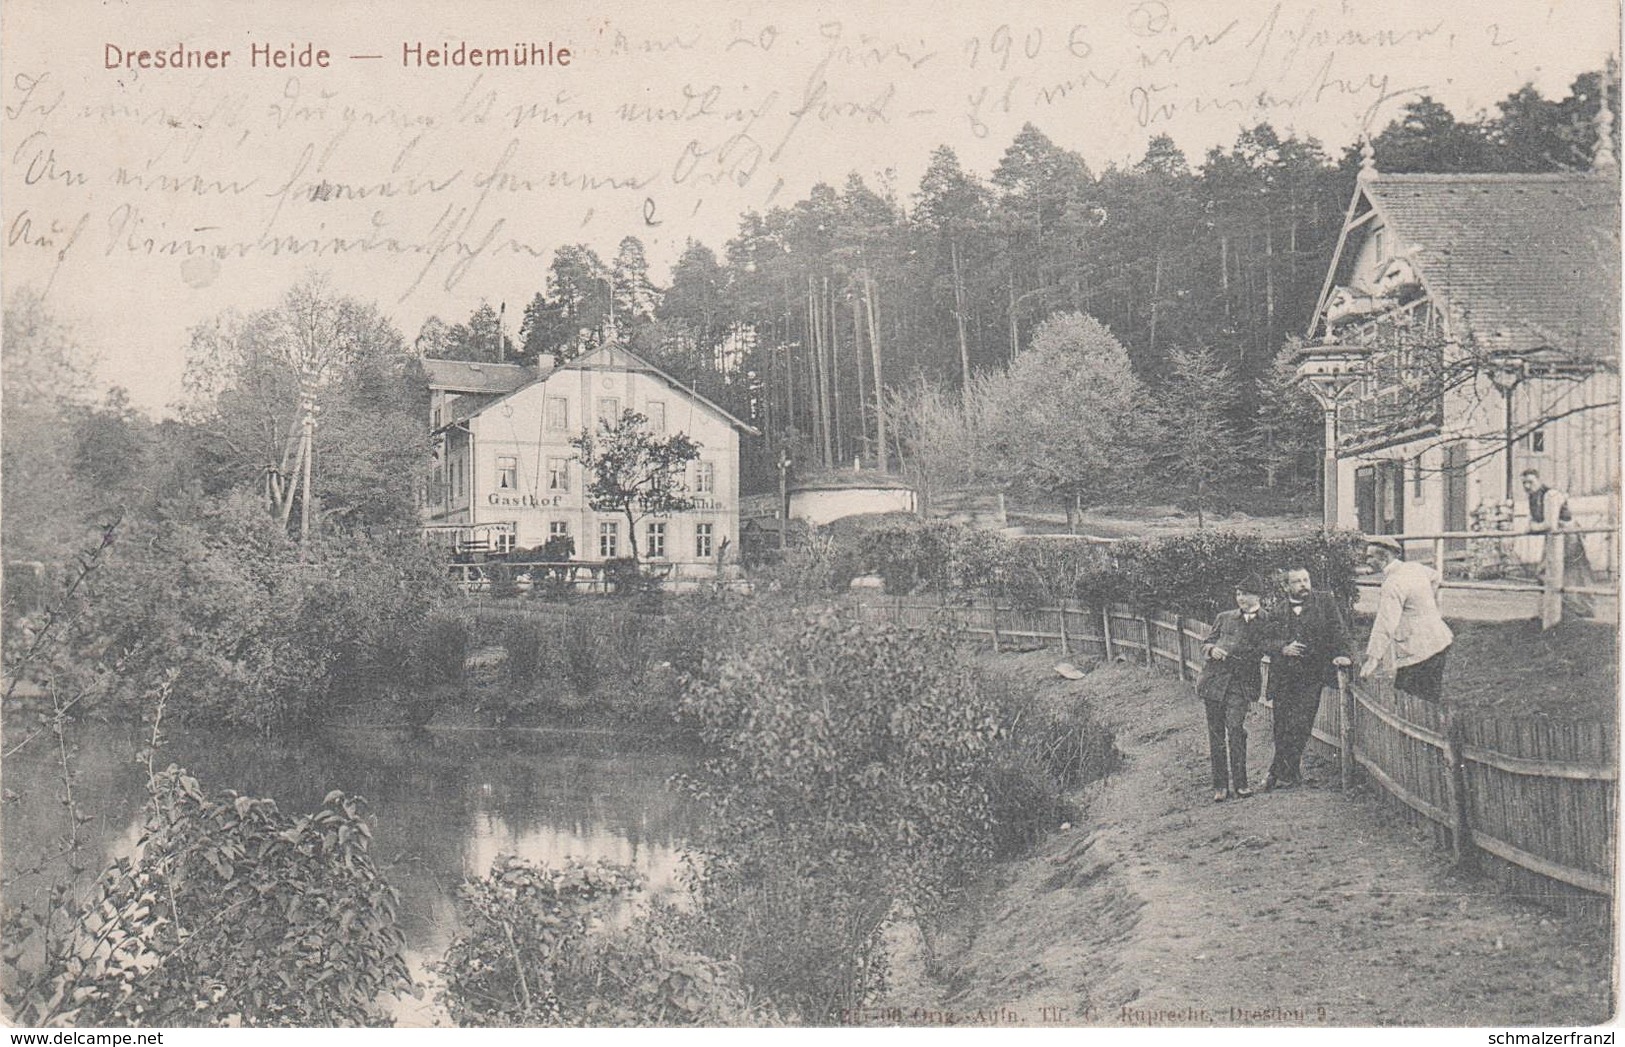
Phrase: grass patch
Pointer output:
(1515, 669)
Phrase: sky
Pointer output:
(140, 201)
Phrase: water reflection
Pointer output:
(445, 804)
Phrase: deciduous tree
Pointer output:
(1068, 420)
(635, 473)
(244, 376)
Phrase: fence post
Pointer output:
(1064, 648)
(1106, 627)
(1461, 833)
(1179, 647)
(993, 621)
(1345, 729)
(1150, 659)
(1438, 556)
(1551, 597)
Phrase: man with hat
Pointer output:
(1408, 629)
(1229, 683)
(1309, 643)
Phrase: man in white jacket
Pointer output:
(1409, 629)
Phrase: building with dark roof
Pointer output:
(461, 387)
(506, 476)
(1484, 312)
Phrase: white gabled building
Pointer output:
(505, 475)
(1479, 307)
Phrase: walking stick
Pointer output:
(1264, 684)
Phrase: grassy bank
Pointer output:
(1307, 907)
(587, 663)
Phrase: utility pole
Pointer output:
(959, 318)
(880, 385)
(307, 448)
(784, 494)
(857, 354)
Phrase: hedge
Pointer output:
(1191, 574)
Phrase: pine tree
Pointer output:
(1198, 447)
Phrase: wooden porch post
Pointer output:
(1551, 597)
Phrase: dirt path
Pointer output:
(1296, 907)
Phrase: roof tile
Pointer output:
(1522, 261)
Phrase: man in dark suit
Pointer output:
(1228, 684)
(1309, 640)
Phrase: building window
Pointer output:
(504, 542)
(439, 414)
(609, 539)
(1379, 243)
(558, 529)
(657, 416)
(1416, 478)
(507, 472)
(705, 478)
(455, 467)
(1537, 441)
(655, 545)
(702, 541)
(558, 413)
(609, 411)
(558, 474)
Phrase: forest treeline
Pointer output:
(796, 319)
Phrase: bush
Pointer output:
(602, 654)
(233, 913)
(1050, 741)
(442, 650)
(501, 580)
(548, 581)
(624, 576)
(525, 640)
(1189, 574)
(1058, 728)
(807, 565)
(585, 654)
(1024, 802)
(847, 775)
(541, 948)
(218, 592)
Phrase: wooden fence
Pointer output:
(1531, 801)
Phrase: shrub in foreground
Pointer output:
(847, 776)
(233, 913)
(551, 945)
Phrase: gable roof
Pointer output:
(604, 358)
(1519, 261)
(470, 376)
(620, 358)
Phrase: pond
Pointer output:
(445, 803)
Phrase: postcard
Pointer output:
(1052, 515)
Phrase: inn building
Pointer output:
(504, 474)
(1468, 329)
